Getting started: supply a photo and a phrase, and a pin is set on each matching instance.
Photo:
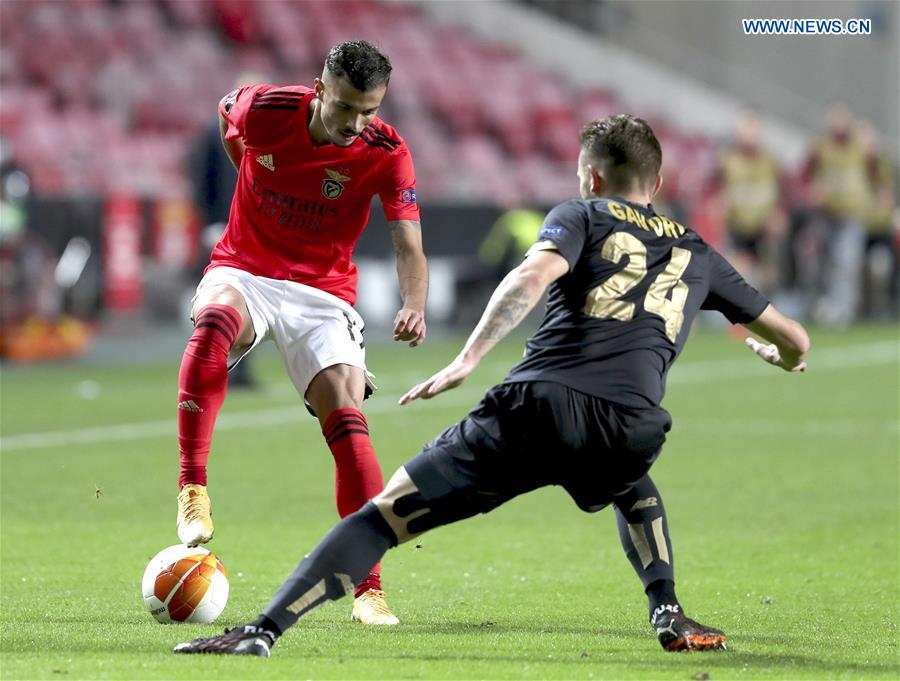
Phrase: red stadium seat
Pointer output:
(482, 121)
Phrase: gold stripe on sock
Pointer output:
(639, 539)
(661, 547)
(308, 598)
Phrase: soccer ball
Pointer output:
(185, 584)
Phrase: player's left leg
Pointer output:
(321, 341)
(644, 532)
(336, 395)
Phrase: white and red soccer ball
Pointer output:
(185, 584)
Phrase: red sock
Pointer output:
(358, 474)
(202, 382)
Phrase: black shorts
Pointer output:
(532, 434)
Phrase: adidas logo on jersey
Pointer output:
(649, 502)
(266, 161)
(190, 405)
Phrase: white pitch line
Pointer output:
(831, 359)
(243, 419)
(785, 426)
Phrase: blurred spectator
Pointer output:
(27, 285)
(748, 184)
(213, 179)
(881, 269)
(838, 192)
(506, 243)
(32, 323)
(509, 238)
(21, 259)
(211, 172)
(14, 187)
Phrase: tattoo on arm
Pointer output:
(403, 236)
(412, 268)
(397, 241)
(506, 314)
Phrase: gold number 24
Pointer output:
(605, 301)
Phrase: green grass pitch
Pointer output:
(782, 492)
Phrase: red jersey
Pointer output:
(299, 207)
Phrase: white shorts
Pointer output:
(312, 329)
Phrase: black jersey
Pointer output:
(615, 323)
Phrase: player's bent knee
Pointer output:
(220, 294)
(399, 487)
(227, 296)
(339, 386)
(410, 512)
(370, 513)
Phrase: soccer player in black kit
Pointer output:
(581, 410)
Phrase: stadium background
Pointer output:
(105, 108)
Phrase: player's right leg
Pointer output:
(644, 532)
(340, 561)
(222, 324)
(336, 394)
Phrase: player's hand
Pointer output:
(771, 355)
(409, 325)
(446, 379)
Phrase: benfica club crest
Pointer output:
(331, 186)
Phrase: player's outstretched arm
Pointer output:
(789, 342)
(412, 274)
(512, 300)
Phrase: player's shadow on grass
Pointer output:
(492, 627)
(609, 633)
(736, 658)
(768, 640)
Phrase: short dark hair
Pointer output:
(361, 63)
(625, 148)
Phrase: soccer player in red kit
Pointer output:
(309, 162)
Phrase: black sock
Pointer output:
(660, 594)
(644, 532)
(332, 569)
(269, 625)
